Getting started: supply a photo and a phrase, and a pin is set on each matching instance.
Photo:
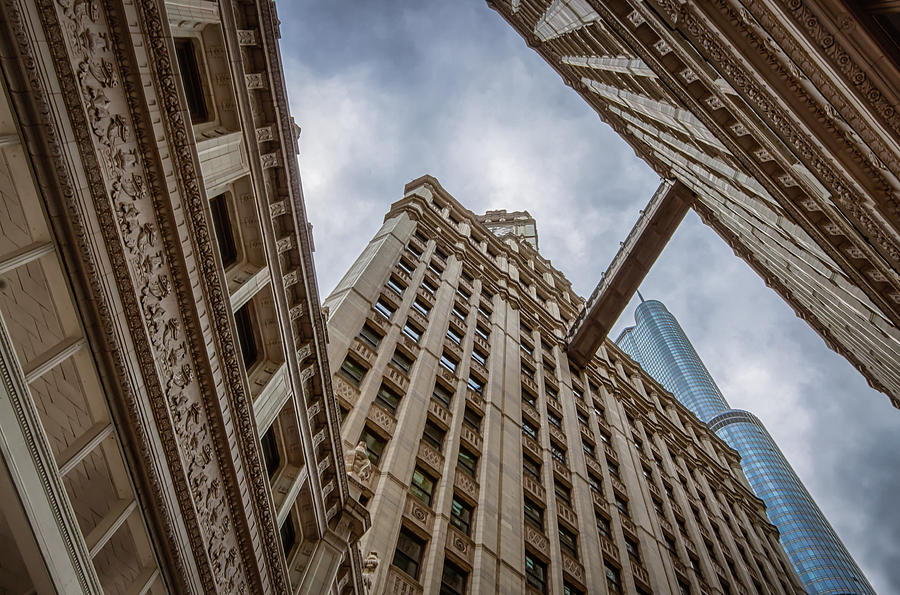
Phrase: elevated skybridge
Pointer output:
(657, 223)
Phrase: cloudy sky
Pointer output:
(387, 91)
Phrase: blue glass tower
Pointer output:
(660, 346)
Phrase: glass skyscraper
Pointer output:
(660, 346)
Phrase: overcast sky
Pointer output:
(388, 91)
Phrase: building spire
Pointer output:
(640, 296)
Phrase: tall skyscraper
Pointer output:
(488, 462)
(166, 417)
(780, 123)
(660, 346)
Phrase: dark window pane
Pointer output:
(246, 336)
(270, 451)
(191, 78)
(224, 233)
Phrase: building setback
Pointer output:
(658, 343)
(166, 417)
(488, 463)
(778, 124)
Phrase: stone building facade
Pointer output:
(780, 121)
(489, 463)
(166, 416)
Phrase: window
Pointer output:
(406, 266)
(408, 554)
(387, 398)
(374, 444)
(460, 515)
(472, 419)
(467, 460)
(526, 349)
(288, 535)
(613, 469)
(582, 418)
(557, 452)
(534, 514)
(525, 330)
(458, 312)
(622, 505)
(453, 579)
(224, 232)
(568, 542)
(595, 482)
(192, 80)
(467, 277)
(535, 573)
(412, 330)
(243, 321)
(464, 293)
(396, 286)
(529, 430)
(613, 582)
(434, 435)
(435, 268)
(449, 362)
(527, 371)
(578, 392)
(353, 371)
(685, 589)
(476, 384)
(631, 546)
(646, 472)
(442, 394)
(554, 419)
(657, 505)
(603, 526)
(454, 335)
(429, 286)
(479, 356)
(482, 332)
(604, 437)
(420, 236)
(421, 307)
(270, 451)
(563, 492)
(588, 449)
(384, 308)
(599, 411)
(529, 397)
(370, 336)
(414, 250)
(440, 253)
(669, 542)
(402, 361)
(571, 590)
(483, 308)
(551, 391)
(531, 467)
(422, 486)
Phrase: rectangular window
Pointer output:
(582, 418)
(408, 554)
(271, 455)
(384, 308)
(421, 236)
(458, 312)
(527, 371)
(435, 268)
(414, 250)
(551, 391)
(472, 419)
(482, 332)
(479, 356)
(442, 394)
(534, 514)
(613, 469)
(453, 579)
(429, 286)
(482, 307)
(353, 371)
(622, 505)
(439, 252)
(243, 321)
(224, 232)
(557, 452)
(434, 435)
(531, 467)
(387, 398)
(402, 361)
(374, 444)
(449, 362)
(396, 286)
(370, 336)
(568, 542)
(595, 482)
(554, 419)
(421, 307)
(578, 392)
(527, 349)
(461, 515)
(454, 335)
(529, 430)
(588, 449)
(192, 80)
(288, 535)
(529, 397)
(604, 437)
(463, 293)
(476, 384)
(411, 330)
(613, 582)
(563, 493)
(631, 547)
(603, 526)
(406, 266)
(571, 590)
(467, 461)
(422, 486)
(535, 573)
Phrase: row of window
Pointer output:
(408, 558)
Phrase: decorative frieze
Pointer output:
(461, 545)
(538, 541)
(383, 419)
(418, 514)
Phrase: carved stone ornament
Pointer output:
(369, 566)
(358, 464)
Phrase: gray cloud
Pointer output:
(387, 91)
